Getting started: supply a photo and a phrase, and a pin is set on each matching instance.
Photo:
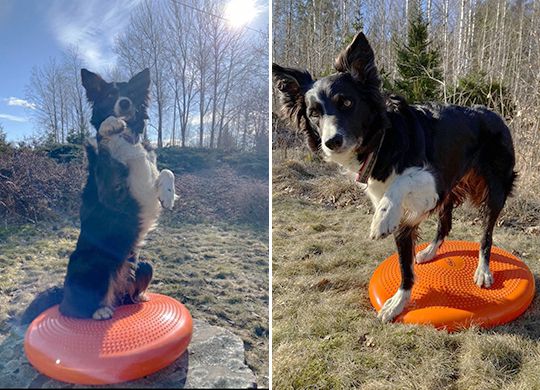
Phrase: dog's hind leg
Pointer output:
(405, 238)
(491, 210)
(166, 190)
(443, 228)
(143, 276)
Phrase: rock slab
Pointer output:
(214, 359)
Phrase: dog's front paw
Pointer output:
(483, 276)
(103, 313)
(394, 306)
(166, 190)
(112, 125)
(385, 221)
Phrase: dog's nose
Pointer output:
(335, 142)
(124, 104)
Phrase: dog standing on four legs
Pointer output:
(415, 160)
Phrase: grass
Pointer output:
(325, 332)
(220, 272)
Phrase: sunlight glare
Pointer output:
(240, 12)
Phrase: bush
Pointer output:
(475, 88)
(64, 153)
(35, 187)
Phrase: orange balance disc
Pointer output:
(139, 340)
(444, 294)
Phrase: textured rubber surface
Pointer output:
(444, 294)
(139, 340)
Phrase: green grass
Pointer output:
(325, 332)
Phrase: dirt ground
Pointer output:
(325, 332)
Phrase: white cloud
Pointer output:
(13, 118)
(13, 101)
(92, 26)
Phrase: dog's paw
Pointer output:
(103, 313)
(386, 219)
(166, 191)
(427, 254)
(143, 297)
(394, 306)
(483, 276)
(112, 125)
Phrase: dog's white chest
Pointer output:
(142, 178)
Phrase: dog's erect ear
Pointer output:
(93, 83)
(141, 81)
(292, 85)
(358, 59)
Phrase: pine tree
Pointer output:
(418, 64)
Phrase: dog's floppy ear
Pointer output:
(141, 81)
(358, 59)
(93, 83)
(292, 85)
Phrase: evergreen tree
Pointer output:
(418, 64)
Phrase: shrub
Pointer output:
(64, 153)
(35, 187)
(475, 88)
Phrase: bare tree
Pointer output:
(495, 43)
(143, 45)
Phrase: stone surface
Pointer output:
(214, 359)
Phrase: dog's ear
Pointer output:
(292, 85)
(141, 81)
(93, 83)
(358, 59)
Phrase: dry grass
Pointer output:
(219, 272)
(325, 333)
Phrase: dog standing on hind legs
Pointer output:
(414, 160)
(120, 205)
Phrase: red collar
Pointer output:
(363, 173)
(368, 164)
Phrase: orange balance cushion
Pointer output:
(139, 340)
(444, 294)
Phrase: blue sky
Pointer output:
(34, 31)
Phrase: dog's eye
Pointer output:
(346, 103)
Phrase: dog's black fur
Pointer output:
(469, 151)
(105, 264)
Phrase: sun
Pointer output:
(240, 12)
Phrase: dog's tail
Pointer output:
(48, 298)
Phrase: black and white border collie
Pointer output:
(120, 205)
(415, 159)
